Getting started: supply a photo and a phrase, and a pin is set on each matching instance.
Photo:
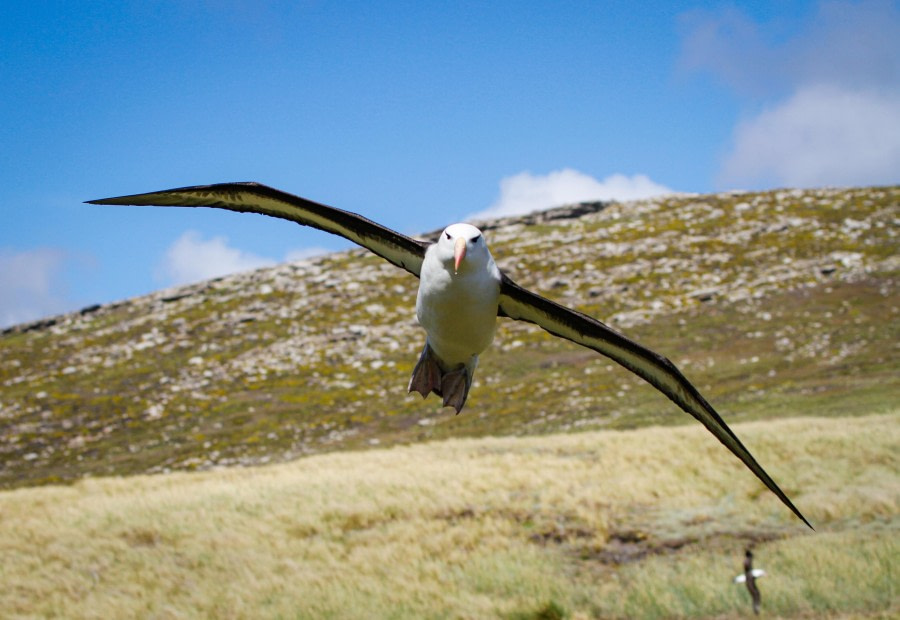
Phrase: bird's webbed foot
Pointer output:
(426, 376)
(455, 388)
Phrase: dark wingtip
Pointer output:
(126, 200)
(787, 502)
(800, 516)
(116, 200)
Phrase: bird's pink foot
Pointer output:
(455, 388)
(426, 376)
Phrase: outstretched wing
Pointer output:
(399, 249)
(523, 305)
(515, 301)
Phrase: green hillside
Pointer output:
(776, 304)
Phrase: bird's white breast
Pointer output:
(458, 311)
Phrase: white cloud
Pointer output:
(29, 285)
(191, 259)
(526, 192)
(828, 86)
(821, 135)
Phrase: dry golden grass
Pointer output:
(519, 528)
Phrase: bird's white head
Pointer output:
(463, 247)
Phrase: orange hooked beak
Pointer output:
(459, 253)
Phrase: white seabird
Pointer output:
(461, 293)
(749, 576)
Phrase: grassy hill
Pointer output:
(775, 304)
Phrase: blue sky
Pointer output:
(415, 114)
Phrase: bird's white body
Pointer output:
(458, 308)
(459, 295)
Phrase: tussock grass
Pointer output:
(644, 523)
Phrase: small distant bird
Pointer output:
(461, 294)
(749, 576)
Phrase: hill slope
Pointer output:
(776, 304)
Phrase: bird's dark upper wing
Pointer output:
(521, 304)
(399, 249)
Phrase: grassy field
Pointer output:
(638, 523)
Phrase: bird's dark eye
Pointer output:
(475, 239)
(448, 235)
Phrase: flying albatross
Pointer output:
(461, 292)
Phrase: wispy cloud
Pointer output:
(821, 135)
(822, 95)
(33, 282)
(852, 44)
(192, 258)
(526, 192)
(30, 285)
